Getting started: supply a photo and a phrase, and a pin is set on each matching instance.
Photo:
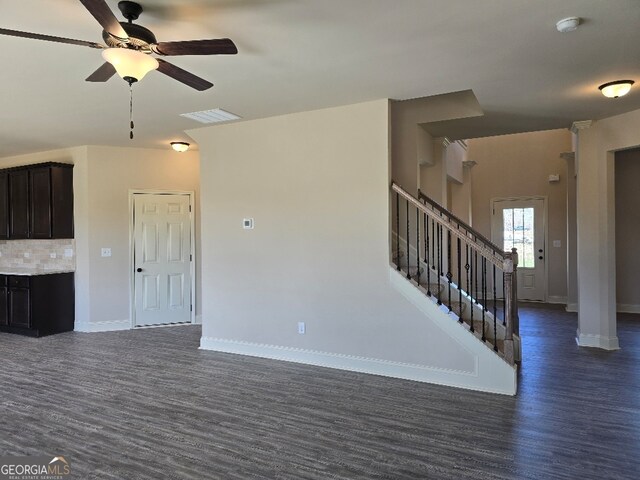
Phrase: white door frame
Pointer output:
(192, 267)
(545, 211)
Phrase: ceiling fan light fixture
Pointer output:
(131, 65)
(616, 89)
(180, 147)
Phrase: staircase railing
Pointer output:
(457, 266)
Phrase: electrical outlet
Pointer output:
(106, 252)
(557, 243)
(53, 255)
(302, 328)
(68, 252)
(26, 254)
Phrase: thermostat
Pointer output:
(247, 223)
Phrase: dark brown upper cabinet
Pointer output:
(4, 205)
(40, 214)
(19, 204)
(62, 201)
(36, 201)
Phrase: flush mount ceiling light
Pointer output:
(180, 146)
(616, 89)
(131, 65)
(569, 24)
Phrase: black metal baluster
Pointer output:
(460, 279)
(495, 313)
(475, 272)
(449, 274)
(418, 245)
(408, 262)
(433, 250)
(483, 291)
(398, 231)
(471, 271)
(427, 255)
(439, 264)
(504, 303)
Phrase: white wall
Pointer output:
(317, 185)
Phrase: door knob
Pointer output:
(540, 257)
(539, 250)
(138, 269)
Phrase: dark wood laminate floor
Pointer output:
(148, 405)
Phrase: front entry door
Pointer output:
(162, 259)
(520, 223)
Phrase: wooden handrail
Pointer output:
(496, 256)
(460, 223)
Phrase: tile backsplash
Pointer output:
(37, 254)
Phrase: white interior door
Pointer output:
(162, 259)
(521, 224)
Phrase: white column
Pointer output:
(595, 241)
(433, 177)
(571, 243)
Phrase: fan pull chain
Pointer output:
(131, 110)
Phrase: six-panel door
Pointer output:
(162, 259)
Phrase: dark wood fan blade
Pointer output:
(102, 74)
(218, 46)
(49, 38)
(105, 17)
(183, 76)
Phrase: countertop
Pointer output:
(31, 272)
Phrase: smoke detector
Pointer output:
(568, 24)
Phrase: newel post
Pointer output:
(514, 291)
(510, 299)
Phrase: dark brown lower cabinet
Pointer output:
(37, 305)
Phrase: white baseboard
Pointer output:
(597, 341)
(387, 368)
(108, 326)
(627, 308)
(571, 307)
(556, 299)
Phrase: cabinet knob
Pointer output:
(138, 269)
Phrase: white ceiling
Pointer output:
(297, 55)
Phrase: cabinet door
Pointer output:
(40, 192)
(19, 204)
(4, 314)
(61, 202)
(19, 307)
(4, 205)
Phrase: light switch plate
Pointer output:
(557, 243)
(53, 255)
(302, 328)
(26, 254)
(106, 252)
(68, 252)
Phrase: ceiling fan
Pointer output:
(129, 46)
